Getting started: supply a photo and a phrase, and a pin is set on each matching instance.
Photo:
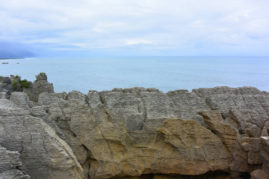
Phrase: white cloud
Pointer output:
(138, 42)
(182, 26)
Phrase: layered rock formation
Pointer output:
(134, 133)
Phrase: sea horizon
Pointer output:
(166, 73)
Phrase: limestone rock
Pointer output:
(135, 133)
(5, 84)
(10, 164)
(3, 95)
(113, 130)
(20, 99)
(41, 77)
(201, 150)
(109, 129)
(259, 174)
(229, 137)
(39, 86)
(14, 174)
(245, 108)
(265, 154)
(252, 146)
(265, 129)
(76, 95)
(43, 154)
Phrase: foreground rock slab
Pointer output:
(36, 149)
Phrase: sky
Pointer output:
(134, 27)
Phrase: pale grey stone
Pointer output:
(3, 95)
(20, 99)
(42, 153)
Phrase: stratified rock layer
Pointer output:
(37, 150)
(135, 133)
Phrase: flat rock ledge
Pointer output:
(136, 133)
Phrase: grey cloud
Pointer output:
(170, 26)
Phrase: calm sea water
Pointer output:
(164, 73)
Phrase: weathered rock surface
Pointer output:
(10, 165)
(3, 95)
(264, 172)
(42, 153)
(5, 84)
(136, 133)
(39, 86)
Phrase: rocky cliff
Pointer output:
(132, 133)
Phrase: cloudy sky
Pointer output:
(135, 27)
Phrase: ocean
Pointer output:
(164, 73)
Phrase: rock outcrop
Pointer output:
(134, 133)
(5, 84)
(39, 86)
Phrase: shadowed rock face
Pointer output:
(136, 133)
(215, 175)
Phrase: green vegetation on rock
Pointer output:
(14, 85)
(18, 84)
(25, 83)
